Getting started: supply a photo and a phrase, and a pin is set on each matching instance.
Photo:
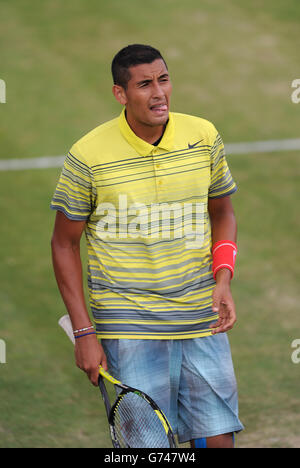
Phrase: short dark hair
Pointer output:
(130, 56)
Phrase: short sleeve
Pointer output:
(222, 183)
(75, 192)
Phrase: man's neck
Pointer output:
(149, 134)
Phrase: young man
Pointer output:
(151, 189)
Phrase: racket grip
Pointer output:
(108, 377)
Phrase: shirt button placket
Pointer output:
(159, 181)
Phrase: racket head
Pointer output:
(137, 422)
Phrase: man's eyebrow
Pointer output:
(164, 75)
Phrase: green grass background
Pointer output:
(231, 62)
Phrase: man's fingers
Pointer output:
(93, 375)
(223, 305)
(103, 363)
(89, 355)
(226, 319)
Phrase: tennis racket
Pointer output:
(135, 420)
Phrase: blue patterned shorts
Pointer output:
(191, 380)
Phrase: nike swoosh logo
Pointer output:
(194, 144)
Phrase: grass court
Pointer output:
(230, 62)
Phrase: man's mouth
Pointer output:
(159, 108)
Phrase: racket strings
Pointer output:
(137, 424)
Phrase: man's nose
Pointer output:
(157, 90)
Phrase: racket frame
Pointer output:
(126, 389)
(163, 420)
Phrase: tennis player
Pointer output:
(152, 190)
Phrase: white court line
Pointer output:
(44, 162)
(254, 147)
(263, 146)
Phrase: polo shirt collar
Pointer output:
(140, 145)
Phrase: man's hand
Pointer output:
(223, 303)
(89, 354)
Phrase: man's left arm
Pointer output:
(223, 227)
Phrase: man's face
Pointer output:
(147, 96)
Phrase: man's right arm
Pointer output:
(67, 265)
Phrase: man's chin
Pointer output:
(158, 120)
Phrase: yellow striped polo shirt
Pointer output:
(147, 225)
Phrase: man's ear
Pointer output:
(120, 94)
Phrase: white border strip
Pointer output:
(231, 148)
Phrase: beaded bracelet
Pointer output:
(83, 329)
(85, 334)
